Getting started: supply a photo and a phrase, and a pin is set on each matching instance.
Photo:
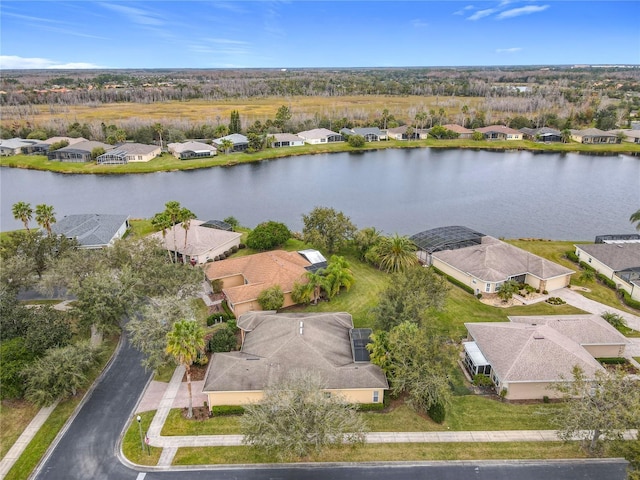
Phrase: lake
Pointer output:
(562, 196)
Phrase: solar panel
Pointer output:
(359, 340)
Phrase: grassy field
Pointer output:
(132, 446)
(15, 415)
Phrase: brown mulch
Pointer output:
(199, 413)
(197, 371)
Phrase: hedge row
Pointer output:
(457, 283)
(370, 407)
(628, 301)
(226, 410)
(607, 281)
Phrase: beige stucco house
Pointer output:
(486, 266)
(527, 356)
(129, 153)
(460, 130)
(203, 243)
(244, 278)
(593, 135)
(619, 262)
(276, 344)
(500, 132)
(319, 136)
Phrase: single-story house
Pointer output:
(15, 146)
(203, 243)
(527, 356)
(286, 140)
(239, 141)
(78, 152)
(275, 345)
(42, 146)
(500, 132)
(484, 263)
(244, 278)
(128, 153)
(320, 135)
(593, 135)
(92, 230)
(619, 261)
(191, 149)
(544, 134)
(400, 133)
(460, 130)
(370, 134)
(631, 136)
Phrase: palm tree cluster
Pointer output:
(45, 215)
(173, 214)
(329, 280)
(390, 254)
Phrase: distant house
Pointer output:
(318, 136)
(499, 132)
(239, 141)
(190, 150)
(203, 243)
(286, 140)
(484, 263)
(593, 135)
(544, 134)
(631, 136)
(129, 153)
(370, 134)
(14, 146)
(42, 146)
(244, 278)
(92, 230)
(460, 130)
(78, 152)
(400, 133)
(527, 356)
(619, 262)
(276, 344)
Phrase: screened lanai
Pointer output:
(444, 238)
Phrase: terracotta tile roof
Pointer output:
(500, 129)
(457, 128)
(260, 271)
(200, 240)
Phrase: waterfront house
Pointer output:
(80, 152)
(42, 146)
(462, 132)
(400, 133)
(544, 134)
(318, 136)
(92, 230)
(499, 132)
(239, 142)
(14, 146)
(593, 135)
(129, 153)
(370, 134)
(189, 150)
(276, 344)
(630, 136)
(286, 140)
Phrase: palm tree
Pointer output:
(173, 210)
(634, 218)
(396, 253)
(316, 283)
(185, 342)
(157, 127)
(226, 145)
(22, 211)
(186, 216)
(338, 275)
(45, 216)
(566, 135)
(162, 222)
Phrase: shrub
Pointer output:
(478, 296)
(222, 410)
(437, 412)
(241, 246)
(607, 281)
(480, 380)
(571, 255)
(234, 249)
(222, 340)
(370, 407)
(356, 141)
(586, 266)
(555, 301)
(628, 301)
(232, 325)
(615, 320)
(612, 360)
(217, 317)
(457, 283)
(225, 307)
(268, 235)
(216, 285)
(271, 298)
(545, 399)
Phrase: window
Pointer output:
(376, 396)
(487, 287)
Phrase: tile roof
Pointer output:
(275, 344)
(520, 352)
(617, 256)
(90, 229)
(199, 239)
(136, 148)
(260, 271)
(316, 133)
(498, 128)
(190, 146)
(457, 128)
(85, 146)
(495, 261)
(287, 137)
(591, 132)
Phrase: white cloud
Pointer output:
(508, 50)
(19, 63)
(419, 23)
(482, 13)
(464, 10)
(516, 12)
(136, 15)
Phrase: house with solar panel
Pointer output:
(528, 355)
(484, 263)
(277, 344)
(92, 230)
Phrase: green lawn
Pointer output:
(132, 446)
(15, 415)
(390, 452)
(177, 425)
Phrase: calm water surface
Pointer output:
(504, 194)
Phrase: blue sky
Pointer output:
(298, 33)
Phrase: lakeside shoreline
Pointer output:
(168, 163)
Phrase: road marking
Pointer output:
(141, 476)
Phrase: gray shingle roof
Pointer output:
(234, 137)
(617, 256)
(90, 229)
(274, 345)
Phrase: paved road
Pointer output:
(88, 449)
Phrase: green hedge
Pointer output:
(225, 410)
(628, 301)
(227, 310)
(370, 407)
(457, 283)
(612, 360)
(607, 281)
(571, 255)
(586, 266)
